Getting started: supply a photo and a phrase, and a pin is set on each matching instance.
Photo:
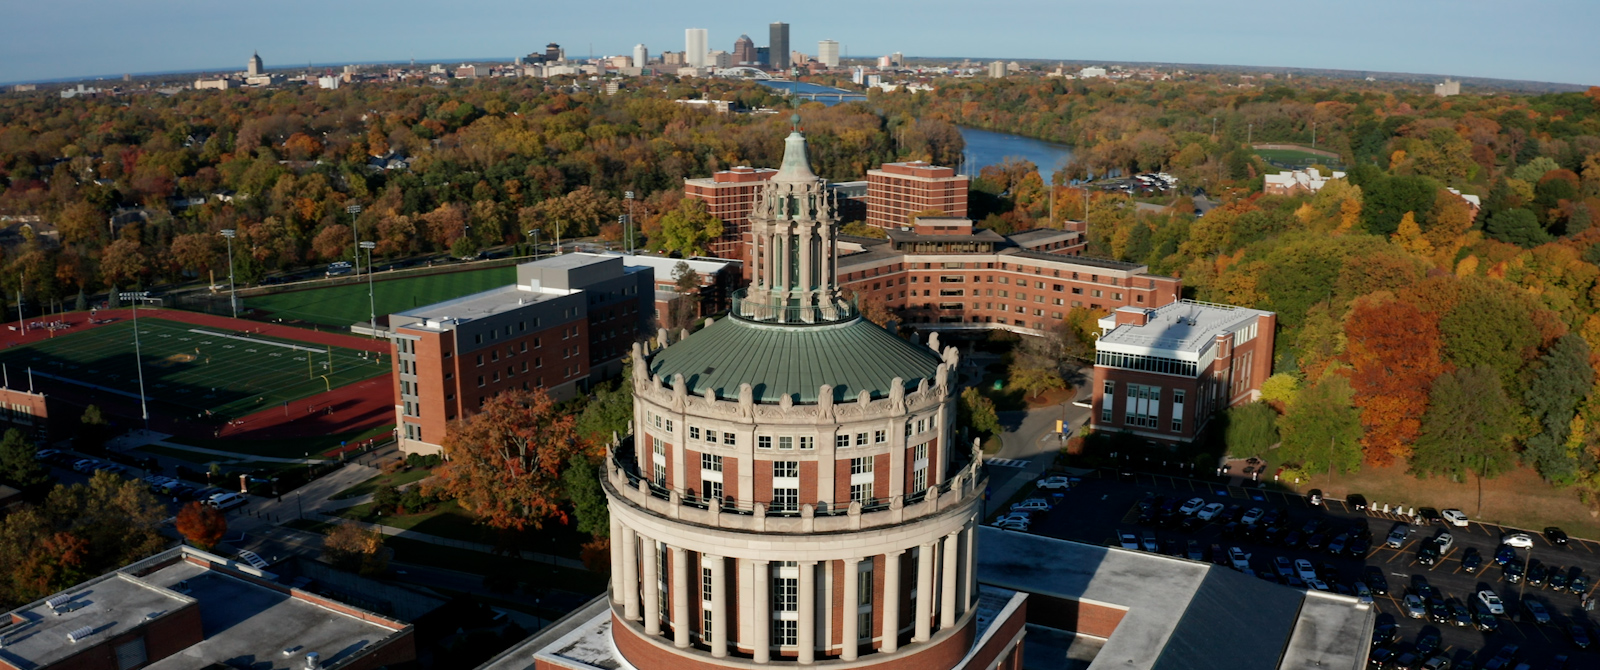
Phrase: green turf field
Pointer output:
(347, 304)
(192, 369)
(1298, 158)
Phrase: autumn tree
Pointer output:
(1556, 383)
(1322, 429)
(1468, 428)
(609, 411)
(123, 262)
(1252, 428)
(354, 549)
(686, 307)
(505, 461)
(977, 411)
(19, 463)
(76, 532)
(1393, 350)
(688, 229)
(196, 252)
(333, 242)
(202, 525)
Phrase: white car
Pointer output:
(1209, 511)
(1128, 540)
(1491, 601)
(1251, 517)
(1239, 559)
(1518, 540)
(1192, 506)
(1149, 543)
(1011, 524)
(1032, 505)
(1056, 482)
(1306, 572)
(1454, 517)
(1014, 517)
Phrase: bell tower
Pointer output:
(795, 225)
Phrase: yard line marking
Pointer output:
(252, 340)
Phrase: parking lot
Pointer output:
(1099, 507)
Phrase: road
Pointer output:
(1029, 447)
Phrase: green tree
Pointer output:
(582, 483)
(977, 410)
(1556, 383)
(1517, 226)
(1489, 326)
(385, 498)
(689, 228)
(609, 411)
(1467, 428)
(1252, 429)
(93, 430)
(1322, 430)
(19, 465)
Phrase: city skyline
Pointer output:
(72, 40)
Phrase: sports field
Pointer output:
(1290, 157)
(347, 304)
(190, 370)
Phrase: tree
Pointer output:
(196, 252)
(1393, 350)
(862, 229)
(1322, 430)
(123, 261)
(385, 498)
(1555, 384)
(1468, 428)
(202, 525)
(1252, 429)
(582, 482)
(1517, 226)
(76, 532)
(686, 308)
(688, 229)
(977, 410)
(329, 244)
(19, 465)
(505, 461)
(93, 430)
(353, 549)
(608, 412)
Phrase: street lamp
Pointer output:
(135, 297)
(233, 294)
(372, 305)
(353, 210)
(628, 195)
(535, 234)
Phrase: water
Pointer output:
(990, 148)
(826, 95)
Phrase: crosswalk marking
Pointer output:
(1006, 462)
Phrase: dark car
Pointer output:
(1293, 539)
(1407, 660)
(1536, 611)
(1428, 553)
(1358, 547)
(1356, 501)
(1471, 560)
(1502, 659)
(1483, 618)
(1577, 582)
(1272, 535)
(1556, 536)
(1272, 517)
(1536, 573)
(1579, 634)
(1505, 555)
(1438, 612)
(1558, 580)
(1191, 523)
(1195, 553)
(1459, 616)
(1381, 658)
(1316, 541)
(1512, 572)
(1421, 587)
(1375, 579)
(1311, 527)
(1385, 633)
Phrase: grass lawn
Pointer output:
(190, 456)
(193, 370)
(1293, 157)
(1519, 498)
(347, 304)
(287, 448)
(397, 480)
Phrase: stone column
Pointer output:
(719, 605)
(806, 627)
(619, 587)
(652, 590)
(924, 611)
(848, 608)
(630, 574)
(891, 601)
(760, 612)
(947, 599)
(971, 599)
(680, 597)
(786, 276)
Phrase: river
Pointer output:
(991, 148)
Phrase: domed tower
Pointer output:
(793, 493)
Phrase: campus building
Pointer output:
(730, 195)
(895, 191)
(569, 320)
(1161, 372)
(185, 609)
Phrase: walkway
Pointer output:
(146, 438)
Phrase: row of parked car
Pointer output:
(177, 488)
(1047, 493)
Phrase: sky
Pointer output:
(1538, 40)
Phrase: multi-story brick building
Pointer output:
(944, 275)
(568, 320)
(1174, 366)
(730, 195)
(895, 191)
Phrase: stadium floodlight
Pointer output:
(138, 359)
(353, 210)
(233, 293)
(372, 305)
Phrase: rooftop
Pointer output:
(1186, 327)
(1089, 261)
(1181, 614)
(110, 605)
(447, 314)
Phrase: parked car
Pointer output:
(1032, 505)
(1239, 559)
(1385, 633)
(1471, 560)
(1512, 572)
(1209, 512)
(1518, 540)
(1483, 618)
(1356, 501)
(1536, 611)
(1577, 582)
(1363, 593)
(1054, 483)
(1426, 516)
(1492, 601)
(338, 268)
(1397, 536)
(1504, 555)
(1556, 536)
(1536, 573)
(1148, 542)
(1251, 517)
(1195, 552)
(1454, 517)
(1373, 576)
(1459, 616)
(1414, 606)
(1302, 567)
(1314, 497)
(1502, 659)
(1558, 580)
(1012, 523)
(1579, 634)
(1128, 540)
(227, 501)
(1192, 506)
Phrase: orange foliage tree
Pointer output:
(1393, 350)
(202, 525)
(505, 461)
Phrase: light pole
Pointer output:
(535, 234)
(138, 359)
(353, 210)
(233, 295)
(628, 195)
(372, 305)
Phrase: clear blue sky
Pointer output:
(1542, 40)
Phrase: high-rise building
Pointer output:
(641, 56)
(778, 45)
(895, 191)
(694, 47)
(719, 59)
(764, 56)
(730, 195)
(673, 58)
(828, 53)
(744, 51)
(553, 53)
(254, 66)
(997, 69)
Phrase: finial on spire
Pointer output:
(794, 122)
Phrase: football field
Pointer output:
(348, 303)
(189, 370)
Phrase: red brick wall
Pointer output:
(982, 302)
(1073, 615)
(730, 477)
(1000, 641)
(808, 483)
(642, 653)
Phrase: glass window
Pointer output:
(711, 462)
(785, 469)
(880, 436)
(764, 441)
(861, 439)
(785, 499)
(861, 465)
(694, 432)
(841, 440)
(808, 442)
(728, 439)
(861, 493)
(785, 442)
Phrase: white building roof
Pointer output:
(1181, 330)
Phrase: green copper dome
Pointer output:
(795, 360)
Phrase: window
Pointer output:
(785, 469)
(919, 468)
(921, 425)
(713, 489)
(728, 439)
(841, 440)
(861, 439)
(880, 436)
(784, 631)
(711, 462)
(669, 425)
(785, 499)
(1142, 406)
(1095, 293)
(785, 442)
(808, 442)
(1077, 291)
(694, 432)
(705, 584)
(861, 493)
(1177, 410)
(657, 420)
(764, 441)
(862, 465)
(661, 475)
(711, 436)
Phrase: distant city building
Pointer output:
(1161, 372)
(220, 84)
(553, 53)
(254, 67)
(641, 55)
(858, 75)
(885, 62)
(329, 82)
(828, 53)
(895, 191)
(694, 47)
(471, 71)
(1089, 72)
(23, 88)
(79, 91)
(620, 61)
(718, 106)
(1447, 88)
(1013, 67)
(778, 45)
(997, 69)
(672, 58)
(744, 51)
(567, 322)
(764, 56)
(719, 59)
(1289, 182)
(897, 59)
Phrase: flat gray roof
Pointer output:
(110, 605)
(1184, 326)
(480, 305)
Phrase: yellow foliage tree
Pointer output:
(1409, 237)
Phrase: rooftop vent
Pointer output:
(55, 603)
(313, 661)
(79, 634)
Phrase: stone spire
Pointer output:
(794, 253)
(796, 167)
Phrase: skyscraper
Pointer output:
(254, 67)
(828, 53)
(778, 45)
(694, 46)
(641, 55)
(744, 51)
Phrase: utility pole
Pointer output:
(21, 320)
(353, 210)
(628, 195)
(138, 358)
(233, 294)
(1313, 134)
(535, 234)
(372, 305)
